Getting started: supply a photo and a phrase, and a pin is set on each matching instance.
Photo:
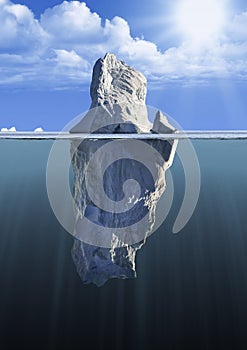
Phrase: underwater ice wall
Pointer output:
(117, 183)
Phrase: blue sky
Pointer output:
(193, 53)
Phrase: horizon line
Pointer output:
(179, 134)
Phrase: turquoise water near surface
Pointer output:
(191, 289)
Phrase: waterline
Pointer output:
(192, 134)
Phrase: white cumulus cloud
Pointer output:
(20, 31)
(71, 22)
(59, 49)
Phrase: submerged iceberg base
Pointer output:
(97, 265)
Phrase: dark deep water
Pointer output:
(191, 290)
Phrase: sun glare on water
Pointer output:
(200, 21)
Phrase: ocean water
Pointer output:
(191, 289)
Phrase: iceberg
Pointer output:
(39, 129)
(117, 183)
(12, 129)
